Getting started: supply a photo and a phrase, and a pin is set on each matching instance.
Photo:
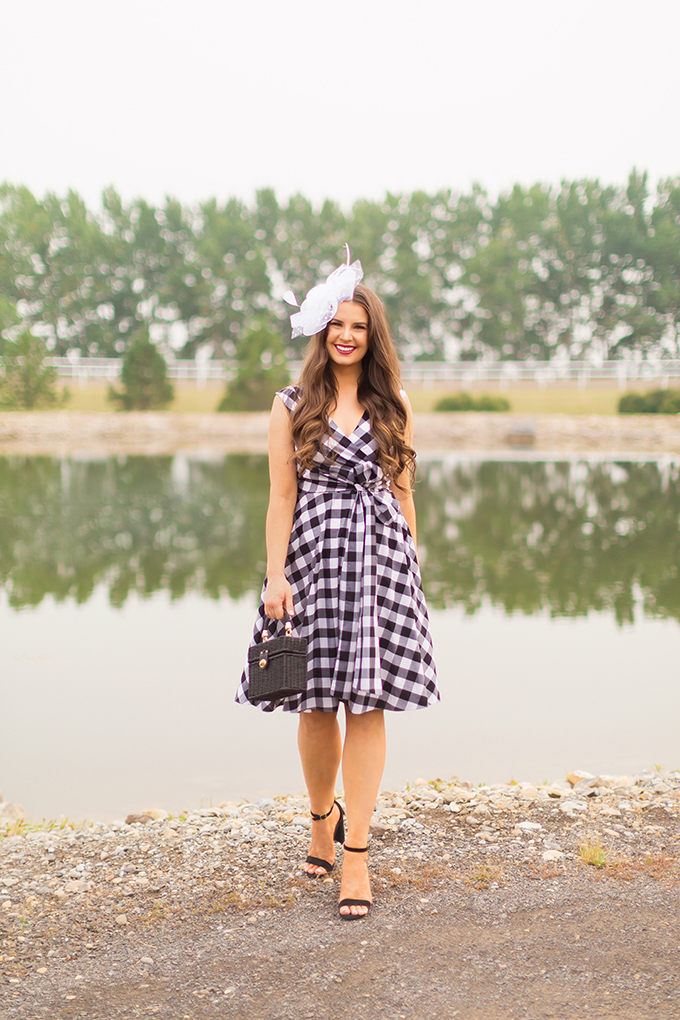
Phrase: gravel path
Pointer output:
(60, 432)
(485, 907)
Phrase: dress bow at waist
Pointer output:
(371, 501)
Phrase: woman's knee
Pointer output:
(370, 722)
(317, 721)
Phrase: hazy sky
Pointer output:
(344, 99)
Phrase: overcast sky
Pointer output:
(348, 99)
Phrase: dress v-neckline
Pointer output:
(357, 426)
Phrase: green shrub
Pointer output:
(27, 382)
(464, 402)
(144, 377)
(261, 371)
(654, 402)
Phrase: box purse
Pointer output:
(277, 668)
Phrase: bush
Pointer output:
(28, 383)
(654, 402)
(144, 377)
(261, 372)
(464, 402)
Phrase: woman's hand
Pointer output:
(277, 596)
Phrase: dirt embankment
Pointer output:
(62, 432)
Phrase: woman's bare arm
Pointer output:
(402, 486)
(282, 500)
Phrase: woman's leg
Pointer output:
(363, 761)
(320, 749)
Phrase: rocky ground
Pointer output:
(490, 902)
(60, 432)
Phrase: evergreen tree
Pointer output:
(261, 372)
(144, 377)
(28, 383)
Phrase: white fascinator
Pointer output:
(322, 301)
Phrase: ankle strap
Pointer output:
(356, 849)
(320, 818)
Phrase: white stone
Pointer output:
(11, 812)
(604, 782)
(578, 776)
(426, 794)
(552, 855)
(569, 806)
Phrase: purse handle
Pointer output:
(288, 625)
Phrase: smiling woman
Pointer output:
(341, 560)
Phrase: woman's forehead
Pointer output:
(352, 310)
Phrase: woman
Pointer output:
(341, 559)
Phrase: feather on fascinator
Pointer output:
(322, 301)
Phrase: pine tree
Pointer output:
(144, 377)
(261, 372)
(28, 383)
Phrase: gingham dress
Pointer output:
(356, 586)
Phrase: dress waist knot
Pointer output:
(368, 500)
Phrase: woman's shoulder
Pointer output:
(290, 395)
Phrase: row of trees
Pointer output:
(579, 269)
(529, 537)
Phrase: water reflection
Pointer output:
(567, 536)
(525, 535)
(136, 524)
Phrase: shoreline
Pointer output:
(485, 889)
(62, 433)
(614, 796)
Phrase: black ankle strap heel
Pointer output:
(320, 818)
(352, 902)
(338, 837)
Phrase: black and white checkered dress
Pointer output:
(356, 586)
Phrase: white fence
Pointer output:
(426, 373)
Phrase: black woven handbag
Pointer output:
(278, 668)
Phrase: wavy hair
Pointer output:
(378, 391)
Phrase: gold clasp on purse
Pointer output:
(263, 661)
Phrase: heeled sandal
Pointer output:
(338, 837)
(351, 902)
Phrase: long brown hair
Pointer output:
(378, 391)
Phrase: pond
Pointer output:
(128, 589)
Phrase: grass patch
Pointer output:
(21, 826)
(464, 401)
(594, 854)
(483, 876)
(660, 867)
(188, 397)
(565, 399)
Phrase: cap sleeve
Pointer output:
(290, 395)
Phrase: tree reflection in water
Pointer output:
(565, 537)
(529, 536)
